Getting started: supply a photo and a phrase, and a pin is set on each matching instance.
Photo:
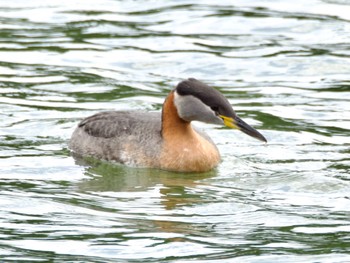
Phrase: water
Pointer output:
(284, 67)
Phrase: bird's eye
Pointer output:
(215, 109)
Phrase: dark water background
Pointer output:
(284, 65)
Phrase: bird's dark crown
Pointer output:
(208, 95)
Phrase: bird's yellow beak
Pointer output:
(238, 123)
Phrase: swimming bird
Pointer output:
(165, 140)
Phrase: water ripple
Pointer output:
(283, 66)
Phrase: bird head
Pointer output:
(196, 101)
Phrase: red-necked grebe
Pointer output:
(163, 140)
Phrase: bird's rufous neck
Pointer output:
(183, 148)
(172, 124)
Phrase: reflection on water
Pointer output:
(120, 178)
(283, 65)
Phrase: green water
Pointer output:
(284, 66)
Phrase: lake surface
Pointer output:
(283, 65)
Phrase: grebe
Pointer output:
(163, 140)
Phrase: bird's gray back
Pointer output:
(119, 135)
